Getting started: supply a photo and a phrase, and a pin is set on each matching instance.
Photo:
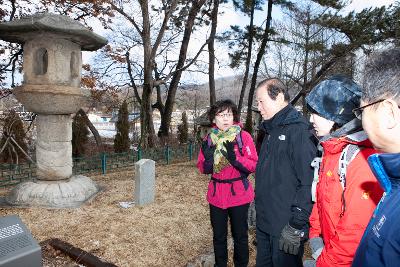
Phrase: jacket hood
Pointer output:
(336, 145)
(350, 133)
(287, 115)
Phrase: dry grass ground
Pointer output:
(169, 232)
(172, 231)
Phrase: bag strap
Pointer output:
(239, 141)
(348, 154)
(316, 163)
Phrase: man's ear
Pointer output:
(392, 113)
(396, 111)
(280, 98)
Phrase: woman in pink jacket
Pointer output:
(229, 155)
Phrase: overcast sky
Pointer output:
(235, 18)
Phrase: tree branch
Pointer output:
(133, 84)
(165, 79)
(160, 35)
(131, 20)
(91, 127)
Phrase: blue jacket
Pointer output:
(380, 245)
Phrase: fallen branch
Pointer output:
(79, 255)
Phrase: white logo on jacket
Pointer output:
(378, 226)
(248, 150)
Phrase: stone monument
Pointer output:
(145, 173)
(52, 63)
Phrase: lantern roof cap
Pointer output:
(28, 28)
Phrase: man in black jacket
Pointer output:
(283, 178)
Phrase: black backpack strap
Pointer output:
(209, 141)
(239, 141)
(229, 181)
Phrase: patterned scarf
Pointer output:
(218, 138)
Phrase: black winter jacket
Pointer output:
(284, 174)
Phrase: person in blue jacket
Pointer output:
(380, 113)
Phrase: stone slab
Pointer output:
(144, 181)
(69, 193)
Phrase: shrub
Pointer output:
(80, 137)
(121, 140)
(13, 127)
(183, 129)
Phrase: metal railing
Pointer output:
(11, 174)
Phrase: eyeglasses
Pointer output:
(224, 115)
(358, 111)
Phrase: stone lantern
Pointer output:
(52, 63)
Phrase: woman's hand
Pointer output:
(208, 151)
(230, 152)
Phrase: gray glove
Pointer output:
(316, 245)
(309, 263)
(290, 238)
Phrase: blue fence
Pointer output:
(11, 174)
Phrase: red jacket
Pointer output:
(223, 197)
(342, 233)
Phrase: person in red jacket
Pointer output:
(345, 190)
(228, 153)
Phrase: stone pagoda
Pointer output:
(52, 61)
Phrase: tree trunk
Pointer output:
(260, 54)
(305, 63)
(248, 59)
(211, 52)
(159, 104)
(146, 118)
(91, 127)
(169, 103)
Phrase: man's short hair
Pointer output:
(382, 76)
(274, 87)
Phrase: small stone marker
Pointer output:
(144, 181)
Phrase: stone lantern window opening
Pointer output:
(41, 61)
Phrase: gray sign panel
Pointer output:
(17, 246)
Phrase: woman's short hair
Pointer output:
(221, 106)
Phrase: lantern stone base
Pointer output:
(69, 193)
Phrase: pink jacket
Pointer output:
(222, 196)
